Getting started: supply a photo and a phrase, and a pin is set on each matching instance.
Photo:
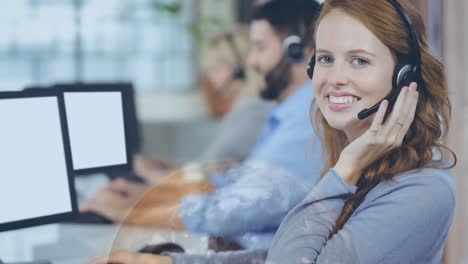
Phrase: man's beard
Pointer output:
(277, 80)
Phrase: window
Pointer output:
(49, 41)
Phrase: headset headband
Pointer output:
(415, 52)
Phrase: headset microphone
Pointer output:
(408, 76)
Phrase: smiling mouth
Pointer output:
(343, 100)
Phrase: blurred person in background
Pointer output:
(229, 89)
(245, 204)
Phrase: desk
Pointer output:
(71, 243)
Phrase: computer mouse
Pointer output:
(159, 249)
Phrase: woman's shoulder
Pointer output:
(426, 183)
(440, 176)
(426, 196)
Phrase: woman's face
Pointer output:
(353, 71)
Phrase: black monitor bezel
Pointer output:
(55, 218)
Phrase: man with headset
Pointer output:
(249, 202)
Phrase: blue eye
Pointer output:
(360, 61)
(325, 59)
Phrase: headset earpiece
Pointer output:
(402, 73)
(294, 49)
(238, 73)
(294, 45)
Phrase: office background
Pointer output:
(161, 45)
(455, 36)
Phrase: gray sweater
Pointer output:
(403, 221)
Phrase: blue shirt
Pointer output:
(251, 200)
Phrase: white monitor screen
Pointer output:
(96, 128)
(33, 170)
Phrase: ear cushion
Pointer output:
(296, 52)
(238, 73)
(294, 49)
(404, 75)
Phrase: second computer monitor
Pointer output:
(98, 125)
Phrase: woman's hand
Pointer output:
(124, 257)
(380, 138)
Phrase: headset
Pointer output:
(294, 46)
(238, 72)
(408, 69)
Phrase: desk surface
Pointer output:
(71, 243)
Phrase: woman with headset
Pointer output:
(386, 194)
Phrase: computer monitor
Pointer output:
(35, 172)
(102, 124)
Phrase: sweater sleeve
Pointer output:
(403, 221)
(304, 232)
